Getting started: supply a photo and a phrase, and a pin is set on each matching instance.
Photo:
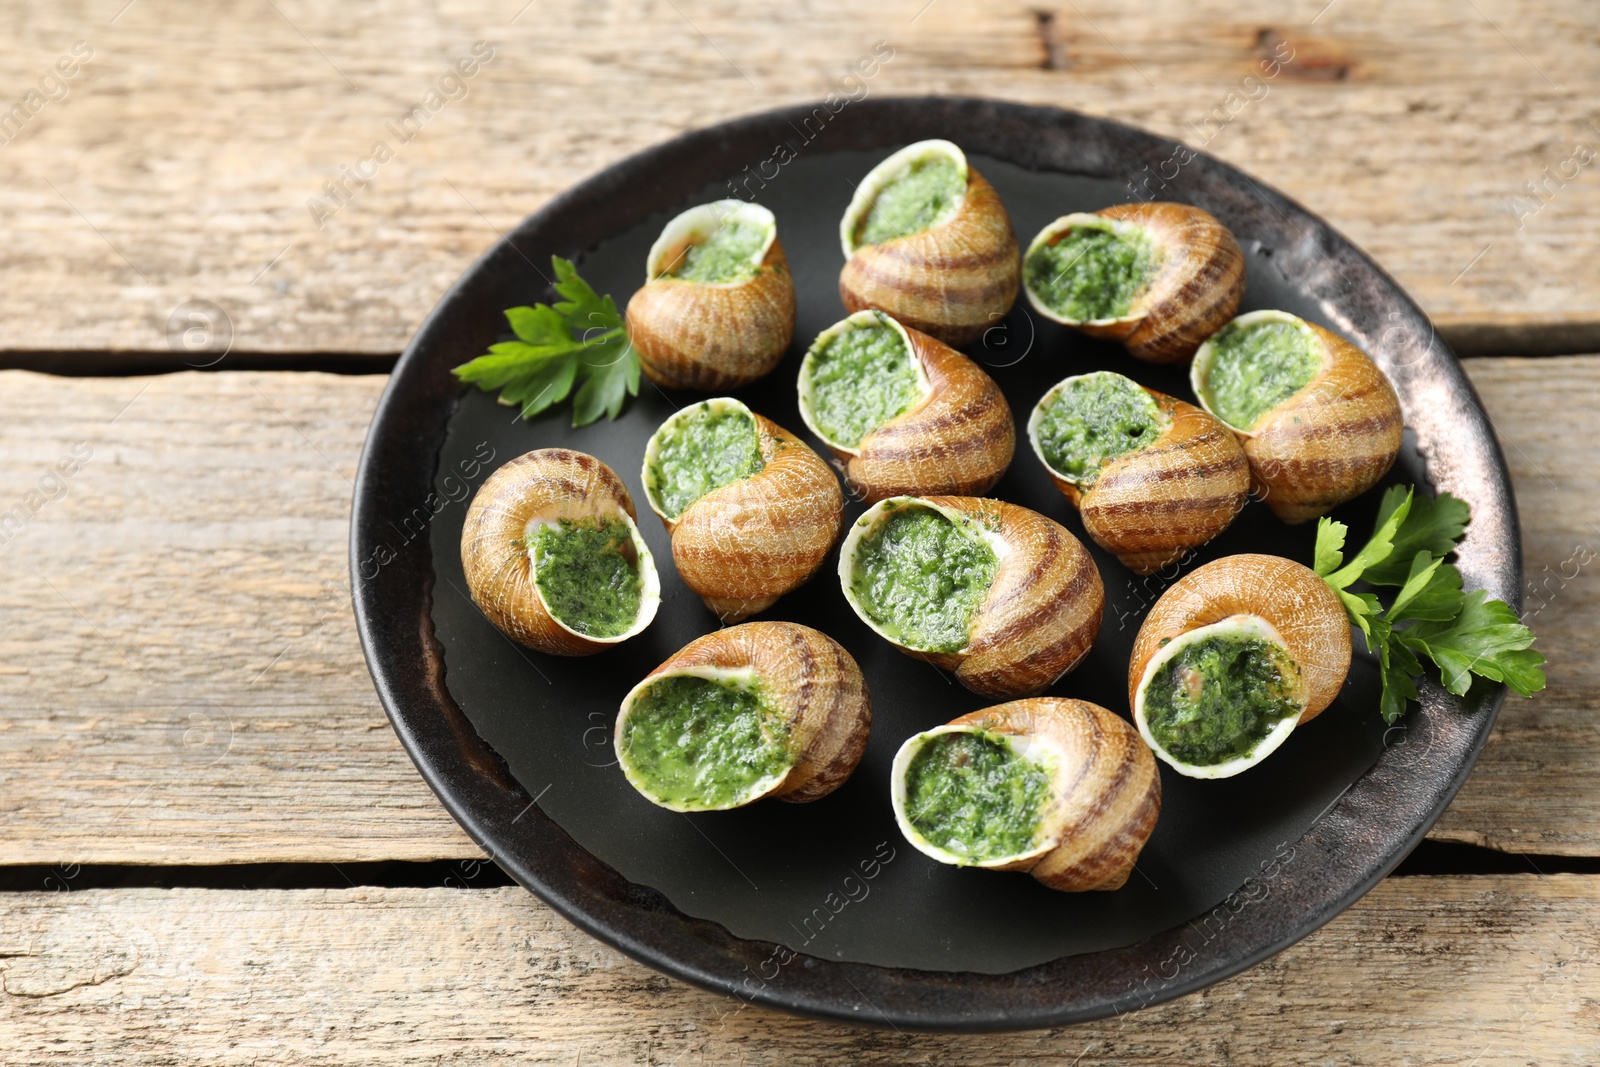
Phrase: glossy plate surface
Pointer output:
(823, 908)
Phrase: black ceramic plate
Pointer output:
(822, 908)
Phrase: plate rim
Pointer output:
(475, 785)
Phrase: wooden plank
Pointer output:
(1489, 971)
(183, 684)
(180, 163)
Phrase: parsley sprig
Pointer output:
(1462, 633)
(582, 337)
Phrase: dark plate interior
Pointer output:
(1235, 870)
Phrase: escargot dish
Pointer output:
(1159, 278)
(764, 709)
(1231, 658)
(1001, 596)
(553, 557)
(905, 412)
(751, 509)
(1318, 420)
(927, 240)
(717, 307)
(1062, 789)
(1152, 477)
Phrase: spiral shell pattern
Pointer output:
(547, 484)
(952, 281)
(1292, 598)
(807, 678)
(1106, 792)
(745, 544)
(1151, 506)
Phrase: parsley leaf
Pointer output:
(1463, 634)
(582, 337)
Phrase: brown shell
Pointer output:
(696, 335)
(1152, 506)
(1331, 441)
(811, 680)
(1106, 798)
(547, 483)
(952, 281)
(958, 439)
(744, 545)
(1042, 613)
(1300, 606)
(1195, 291)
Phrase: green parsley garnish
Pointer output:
(580, 338)
(1462, 633)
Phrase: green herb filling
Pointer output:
(971, 794)
(1218, 698)
(700, 743)
(1093, 419)
(921, 577)
(1091, 273)
(726, 254)
(703, 449)
(920, 197)
(1258, 366)
(860, 379)
(587, 572)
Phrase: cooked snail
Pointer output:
(927, 240)
(1151, 477)
(1062, 789)
(1001, 596)
(1231, 658)
(717, 307)
(552, 555)
(751, 509)
(905, 412)
(1160, 278)
(765, 709)
(1319, 422)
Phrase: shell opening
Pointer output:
(1219, 699)
(1086, 269)
(971, 797)
(859, 374)
(917, 188)
(1086, 421)
(593, 574)
(720, 243)
(701, 448)
(917, 572)
(1254, 364)
(702, 739)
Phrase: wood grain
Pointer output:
(182, 681)
(1493, 971)
(180, 163)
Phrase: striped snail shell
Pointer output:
(1328, 442)
(955, 437)
(1182, 482)
(1186, 280)
(1095, 778)
(1009, 600)
(1237, 600)
(551, 491)
(704, 329)
(953, 278)
(743, 544)
(803, 700)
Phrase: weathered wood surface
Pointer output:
(181, 680)
(1492, 971)
(180, 162)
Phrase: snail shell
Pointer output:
(1329, 442)
(712, 335)
(544, 486)
(804, 676)
(745, 544)
(1151, 506)
(1104, 798)
(957, 438)
(1042, 611)
(1196, 287)
(1250, 595)
(953, 280)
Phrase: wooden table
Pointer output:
(184, 701)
